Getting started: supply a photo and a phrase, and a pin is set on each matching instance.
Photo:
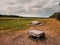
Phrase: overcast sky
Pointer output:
(37, 8)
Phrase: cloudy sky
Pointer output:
(31, 8)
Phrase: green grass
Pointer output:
(9, 23)
(15, 23)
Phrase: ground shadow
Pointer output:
(37, 39)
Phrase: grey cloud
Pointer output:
(2, 12)
(11, 3)
(16, 10)
(29, 11)
(23, 1)
(40, 4)
(41, 9)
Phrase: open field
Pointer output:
(14, 23)
(13, 31)
(9, 23)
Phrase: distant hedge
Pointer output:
(8, 15)
(1, 15)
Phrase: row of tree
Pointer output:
(56, 15)
(8, 15)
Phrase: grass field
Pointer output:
(15, 23)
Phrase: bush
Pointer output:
(58, 16)
(55, 15)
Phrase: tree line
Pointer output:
(1, 15)
(55, 15)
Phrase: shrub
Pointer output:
(58, 16)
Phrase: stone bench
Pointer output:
(33, 23)
(36, 33)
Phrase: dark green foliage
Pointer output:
(53, 16)
(56, 15)
(8, 15)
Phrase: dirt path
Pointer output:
(10, 37)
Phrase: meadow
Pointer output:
(11, 23)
